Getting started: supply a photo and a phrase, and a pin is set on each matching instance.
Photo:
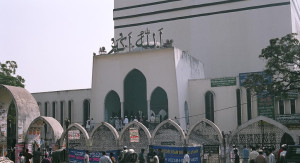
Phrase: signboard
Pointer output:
(243, 76)
(134, 135)
(74, 134)
(212, 149)
(77, 156)
(265, 106)
(292, 121)
(221, 82)
(175, 154)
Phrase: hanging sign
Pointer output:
(134, 135)
(74, 134)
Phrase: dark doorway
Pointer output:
(112, 106)
(159, 103)
(11, 126)
(86, 111)
(287, 139)
(135, 100)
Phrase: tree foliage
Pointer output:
(282, 64)
(8, 74)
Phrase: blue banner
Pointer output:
(175, 154)
(77, 156)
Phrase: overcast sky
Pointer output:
(53, 41)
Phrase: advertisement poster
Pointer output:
(175, 154)
(77, 156)
(74, 134)
(134, 135)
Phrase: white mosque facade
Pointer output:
(199, 75)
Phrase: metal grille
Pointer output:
(103, 140)
(137, 146)
(168, 135)
(79, 144)
(260, 134)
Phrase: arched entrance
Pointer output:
(168, 133)
(159, 104)
(104, 138)
(136, 136)
(206, 134)
(44, 137)
(287, 139)
(112, 106)
(78, 138)
(18, 109)
(263, 132)
(135, 97)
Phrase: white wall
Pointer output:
(224, 103)
(76, 96)
(227, 43)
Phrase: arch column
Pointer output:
(148, 109)
(122, 109)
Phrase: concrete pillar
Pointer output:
(122, 109)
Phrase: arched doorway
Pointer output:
(209, 106)
(135, 100)
(159, 104)
(11, 126)
(287, 139)
(86, 111)
(112, 105)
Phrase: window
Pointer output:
(293, 106)
(70, 110)
(53, 109)
(62, 113)
(249, 104)
(209, 106)
(238, 107)
(281, 106)
(46, 109)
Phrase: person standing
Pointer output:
(236, 156)
(271, 156)
(141, 156)
(161, 156)
(112, 157)
(245, 153)
(87, 157)
(155, 157)
(125, 122)
(260, 158)
(37, 156)
(253, 154)
(27, 155)
(104, 158)
(92, 124)
(186, 157)
(88, 125)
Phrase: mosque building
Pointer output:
(186, 60)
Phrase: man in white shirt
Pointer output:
(253, 154)
(104, 158)
(125, 120)
(186, 157)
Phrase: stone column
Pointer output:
(122, 109)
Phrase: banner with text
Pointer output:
(175, 154)
(77, 156)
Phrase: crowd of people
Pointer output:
(258, 155)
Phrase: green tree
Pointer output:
(282, 65)
(8, 74)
